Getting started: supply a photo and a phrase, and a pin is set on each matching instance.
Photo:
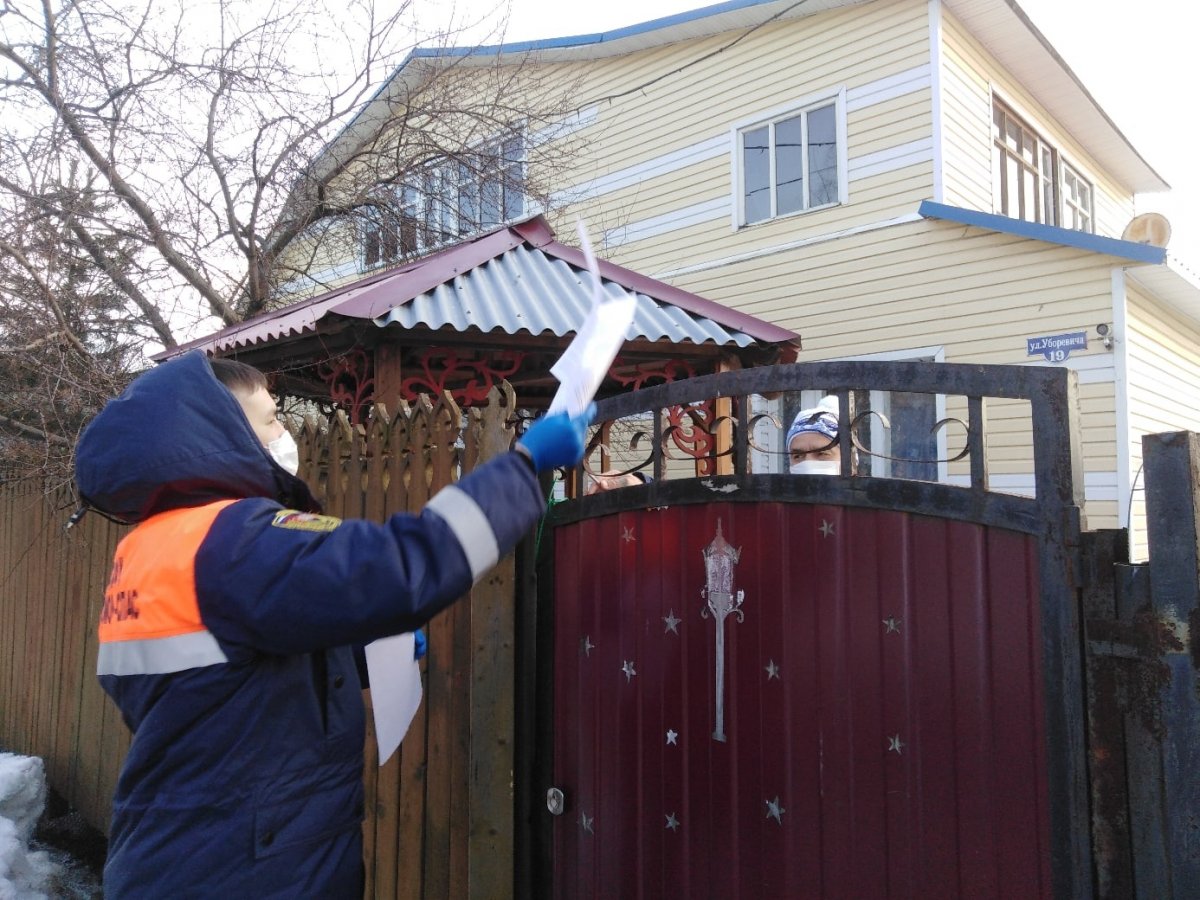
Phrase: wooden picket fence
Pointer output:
(440, 813)
(50, 702)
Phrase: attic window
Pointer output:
(1029, 179)
(476, 191)
(791, 163)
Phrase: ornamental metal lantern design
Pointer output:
(719, 559)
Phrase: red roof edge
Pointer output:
(757, 328)
(536, 231)
(379, 291)
(292, 308)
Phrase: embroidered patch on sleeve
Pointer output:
(302, 521)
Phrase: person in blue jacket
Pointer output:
(229, 622)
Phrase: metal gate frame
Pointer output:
(1053, 517)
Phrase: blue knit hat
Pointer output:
(822, 418)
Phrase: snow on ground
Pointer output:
(26, 872)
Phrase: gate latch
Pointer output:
(556, 802)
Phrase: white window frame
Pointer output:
(769, 118)
(443, 180)
(1061, 164)
(1065, 203)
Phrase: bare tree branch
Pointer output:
(47, 296)
(30, 431)
(162, 167)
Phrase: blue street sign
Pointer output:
(1056, 347)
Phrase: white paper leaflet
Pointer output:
(395, 689)
(584, 363)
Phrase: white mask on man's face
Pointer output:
(816, 467)
(285, 452)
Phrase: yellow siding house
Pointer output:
(892, 179)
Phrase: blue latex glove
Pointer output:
(557, 440)
(422, 644)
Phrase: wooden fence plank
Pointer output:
(370, 794)
(381, 784)
(74, 609)
(435, 812)
(74, 625)
(491, 713)
(35, 596)
(91, 710)
(490, 826)
(52, 600)
(445, 426)
(404, 776)
(84, 538)
(8, 614)
(8, 698)
(20, 595)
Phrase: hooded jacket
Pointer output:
(225, 636)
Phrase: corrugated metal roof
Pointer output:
(526, 290)
(515, 279)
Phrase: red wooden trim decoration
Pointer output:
(691, 429)
(665, 371)
(467, 378)
(351, 381)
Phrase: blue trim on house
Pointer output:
(579, 40)
(602, 37)
(1052, 234)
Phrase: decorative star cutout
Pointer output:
(672, 622)
(826, 528)
(629, 670)
(672, 822)
(586, 645)
(891, 625)
(672, 737)
(894, 743)
(586, 823)
(771, 669)
(775, 810)
(627, 535)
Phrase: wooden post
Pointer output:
(724, 431)
(1058, 470)
(1172, 466)
(490, 835)
(387, 376)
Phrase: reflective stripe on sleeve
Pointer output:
(470, 527)
(158, 656)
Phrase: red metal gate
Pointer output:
(895, 710)
(883, 723)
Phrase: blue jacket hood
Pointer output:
(176, 437)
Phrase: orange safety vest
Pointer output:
(151, 623)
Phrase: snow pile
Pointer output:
(24, 874)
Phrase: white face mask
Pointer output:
(285, 452)
(816, 467)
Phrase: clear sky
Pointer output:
(1139, 60)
